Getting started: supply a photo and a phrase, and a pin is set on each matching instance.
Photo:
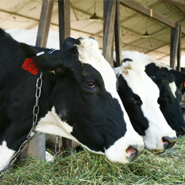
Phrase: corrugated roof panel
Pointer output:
(31, 9)
(164, 49)
(162, 35)
(8, 21)
(15, 5)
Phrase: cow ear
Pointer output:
(69, 43)
(42, 58)
(55, 63)
(127, 60)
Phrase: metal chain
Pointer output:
(32, 132)
(36, 108)
(51, 51)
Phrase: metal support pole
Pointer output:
(174, 44)
(44, 23)
(108, 29)
(118, 35)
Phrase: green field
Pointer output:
(87, 168)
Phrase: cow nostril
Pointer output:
(132, 151)
(168, 141)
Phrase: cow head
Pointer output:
(139, 95)
(169, 103)
(153, 68)
(84, 104)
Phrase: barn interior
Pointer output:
(154, 27)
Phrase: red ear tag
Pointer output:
(30, 66)
(184, 84)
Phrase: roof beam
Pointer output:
(149, 13)
(64, 22)
(176, 2)
(37, 20)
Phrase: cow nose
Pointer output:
(134, 152)
(168, 141)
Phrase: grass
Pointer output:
(87, 168)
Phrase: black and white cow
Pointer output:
(139, 95)
(169, 98)
(79, 99)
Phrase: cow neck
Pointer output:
(36, 110)
(32, 132)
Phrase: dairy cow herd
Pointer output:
(116, 112)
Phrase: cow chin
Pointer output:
(122, 151)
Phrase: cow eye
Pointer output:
(136, 100)
(90, 84)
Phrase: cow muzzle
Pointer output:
(167, 142)
(130, 153)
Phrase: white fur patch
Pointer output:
(143, 58)
(136, 78)
(173, 88)
(52, 124)
(5, 155)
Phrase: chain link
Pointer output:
(32, 132)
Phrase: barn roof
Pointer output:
(25, 14)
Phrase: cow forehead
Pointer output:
(89, 53)
(135, 55)
(144, 59)
(138, 80)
